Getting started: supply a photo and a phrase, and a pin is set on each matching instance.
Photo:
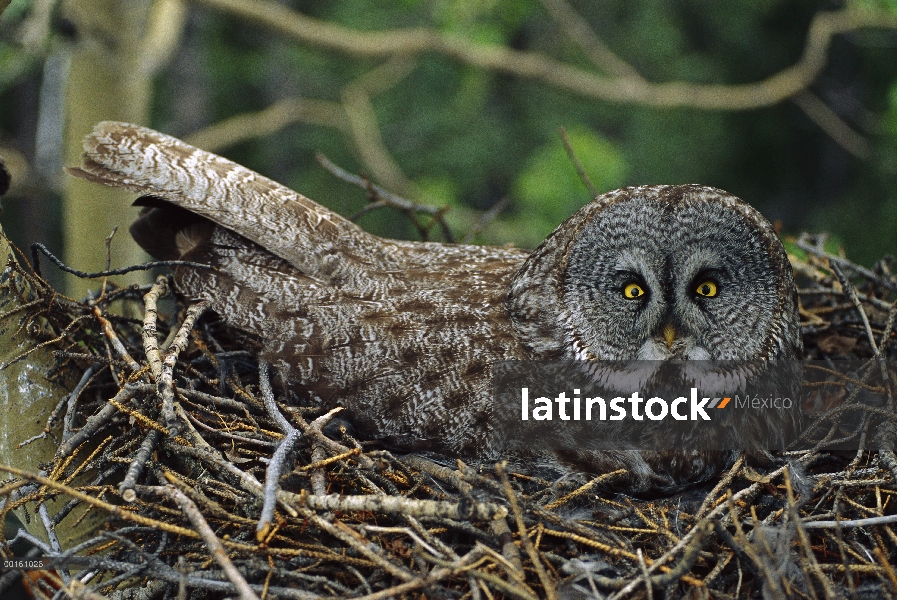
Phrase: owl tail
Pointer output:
(284, 222)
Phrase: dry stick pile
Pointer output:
(214, 487)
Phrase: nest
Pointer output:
(213, 488)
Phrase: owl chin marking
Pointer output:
(681, 349)
(718, 378)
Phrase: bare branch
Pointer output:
(381, 198)
(578, 30)
(580, 170)
(533, 65)
(211, 540)
(267, 121)
(829, 122)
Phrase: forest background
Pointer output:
(790, 105)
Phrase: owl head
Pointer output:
(655, 273)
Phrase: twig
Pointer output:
(318, 437)
(649, 589)
(247, 481)
(869, 522)
(804, 539)
(474, 511)
(150, 315)
(319, 453)
(509, 550)
(165, 382)
(571, 153)
(112, 509)
(276, 465)
(437, 471)
(109, 330)
(38, 247)
(37, 347)
(803, 243)
(108, 263)
(887, 431)
(583, 489)
(126, 489)
(386, 198)
(547, 584)
(425, 581)
(208, 536)
(95, 422)
(887, 568)
(710, 498)
(88, 375)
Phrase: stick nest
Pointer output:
(213, 488)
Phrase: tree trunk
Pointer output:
(109, 80)
(27, 398)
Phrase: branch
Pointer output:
(356, 101)
(533, 65)
(380, 198)
(833, 125)
(578, 30)
(272, 119)
(216, 548)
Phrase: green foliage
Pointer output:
(549, 190)
(466, 137)
(16, 10)
(877, 5)
(891, 115)
(833, 245)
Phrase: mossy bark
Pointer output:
(28, 397)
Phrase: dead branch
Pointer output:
(381, 198)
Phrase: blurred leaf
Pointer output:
(891, 115)
(886, 5)
(15, 10)
(549, 184)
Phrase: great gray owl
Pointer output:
(404, 334)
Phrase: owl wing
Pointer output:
(316, 241)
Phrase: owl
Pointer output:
(404, 335)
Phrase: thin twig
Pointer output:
(385, 198)
(211, 540)
(160, 289)
(165, 382)
(276, 465)
(126, 489)
(547, 584)
(580, 170)
(40, 248)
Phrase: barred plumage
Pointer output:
(403, 334)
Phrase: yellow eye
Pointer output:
(633, 290)
(706, 289)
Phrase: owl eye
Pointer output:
(633, 290)
(706, 289)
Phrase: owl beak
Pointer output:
(669, 335)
